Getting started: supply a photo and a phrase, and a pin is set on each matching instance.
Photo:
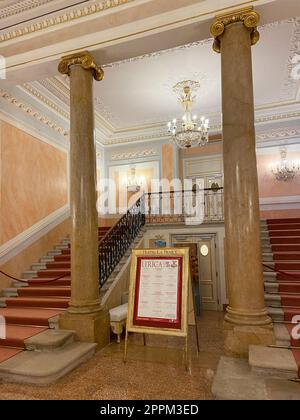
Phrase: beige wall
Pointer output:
(33, 253)
(33, 178)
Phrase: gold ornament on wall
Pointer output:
(247, 16)
(85, 60)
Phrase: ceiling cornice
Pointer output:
(67, 17)
(33, 113)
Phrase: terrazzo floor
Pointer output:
(152, 372)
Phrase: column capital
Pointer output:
(85, 60)
(249, 17)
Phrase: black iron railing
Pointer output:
(118, 239)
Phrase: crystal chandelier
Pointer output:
(285, 170)
(189, 132)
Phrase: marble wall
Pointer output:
(33, 177)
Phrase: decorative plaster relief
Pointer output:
(134, 155)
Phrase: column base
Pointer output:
(89, 328)
(239, 338)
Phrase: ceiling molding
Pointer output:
(21, 6)
(134, 155)
(68, 17)
(33, 113)
(279, 134)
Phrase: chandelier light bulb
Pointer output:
(189, 132)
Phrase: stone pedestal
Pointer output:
(247, 321)
(84, 315)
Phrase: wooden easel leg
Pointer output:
(186, 354)
(126, 345)
(197, 336)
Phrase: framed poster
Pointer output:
(158, 292)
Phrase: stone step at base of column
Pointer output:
(49, 340)
(234, 380)
(275, 362)
(276, 314)
(282, 335)
(41, 368)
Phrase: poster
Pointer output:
(158, 292)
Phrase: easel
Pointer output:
(188, 304)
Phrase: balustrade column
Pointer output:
(85, 314)
(247, 320)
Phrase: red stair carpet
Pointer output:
(28, 314)
(285, 241)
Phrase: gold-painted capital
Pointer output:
(85, 60)
(249, 17)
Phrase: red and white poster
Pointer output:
(158, 292)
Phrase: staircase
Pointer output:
(31, 310)
(281, 252)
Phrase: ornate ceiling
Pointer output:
(135, 100)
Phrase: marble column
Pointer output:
(85, 314)
(247, 321)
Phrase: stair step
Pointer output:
(53, 273)
(49, 340)
(283, 221)
(285, 241)
(276, 314)
(7, 353)
(271, 287)
(62, 258)
(286, 226)
(10, 292)
(46, 281)
(286, 256)
(45, 291)
(285, 248)
(289, 287)
(278, 363)
(284, 233)
(59, 265)
(37, 302)
(29, 274)
(38, 368)
(29, 316)
(16, 334)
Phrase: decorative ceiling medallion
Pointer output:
(134, 155)
(68, 16)
(33, 113)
